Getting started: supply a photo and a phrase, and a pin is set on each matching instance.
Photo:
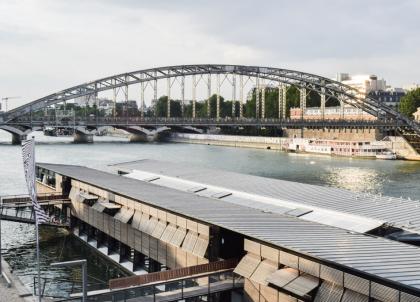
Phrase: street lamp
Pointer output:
(83, 263)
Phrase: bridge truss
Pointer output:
(282, 77)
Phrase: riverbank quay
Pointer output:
(11, 288)
(395, 144)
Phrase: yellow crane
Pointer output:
(6, 99)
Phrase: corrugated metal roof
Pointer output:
(380, 259)
(403, 213)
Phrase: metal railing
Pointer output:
(178, 121)
(65, 287)
(172, 274)
(172, 290)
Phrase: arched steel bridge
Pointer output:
(284, 78)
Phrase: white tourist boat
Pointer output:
(386, 155)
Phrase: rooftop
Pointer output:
(384, 261)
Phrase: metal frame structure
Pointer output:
(324, 86)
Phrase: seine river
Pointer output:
(395, 178)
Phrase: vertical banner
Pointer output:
(28, 154)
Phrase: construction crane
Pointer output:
(6, 99)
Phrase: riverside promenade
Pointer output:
(16, 292)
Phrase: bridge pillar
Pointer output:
(83, 138)
(138, 137)
(17, 138)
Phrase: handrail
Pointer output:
(172, 274)
(179, 288)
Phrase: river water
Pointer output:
(395, 178)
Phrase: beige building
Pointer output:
(417, 115)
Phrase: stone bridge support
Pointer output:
(141, 134)
(83, 136)
(18, 135)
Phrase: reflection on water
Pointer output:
(395, 178)
(55, 245)
(355, 179)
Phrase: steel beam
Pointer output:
(168, 93)
(241, 96)
(218, 98)
(155, 93)
(142, 99)
(182, 95)
(257, 97)
(323, 101)
(302, 102)
(194, 98)
(208, 94)
(263, 101)
(233, 95)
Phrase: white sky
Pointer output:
(49, 45)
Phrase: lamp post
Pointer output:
(83, 263)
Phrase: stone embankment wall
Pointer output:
(260, 142)
(347, 134)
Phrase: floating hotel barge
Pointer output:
(336, 147)
(281, 241)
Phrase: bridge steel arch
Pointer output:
(303, 80)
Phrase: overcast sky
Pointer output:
(46, 46)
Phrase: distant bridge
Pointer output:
(20, 121)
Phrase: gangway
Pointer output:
(18, 208)
(172, 285)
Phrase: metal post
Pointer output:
(209, 94)
(302, 102)
(182, 95)
(1, 213)
(218, 98)
(126, 101)
(257, 98)
(284, 97)
(168, 87)
(114, 99)
(142, 98)
(341, 109)
(323, 100)
(280, 101)
(37, 260)
(233, 95)
(83, 263)
(241, 95)
(263, 102)
(155, 94)
(194, 83)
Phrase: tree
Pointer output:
(162, 107)
(410, 102)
